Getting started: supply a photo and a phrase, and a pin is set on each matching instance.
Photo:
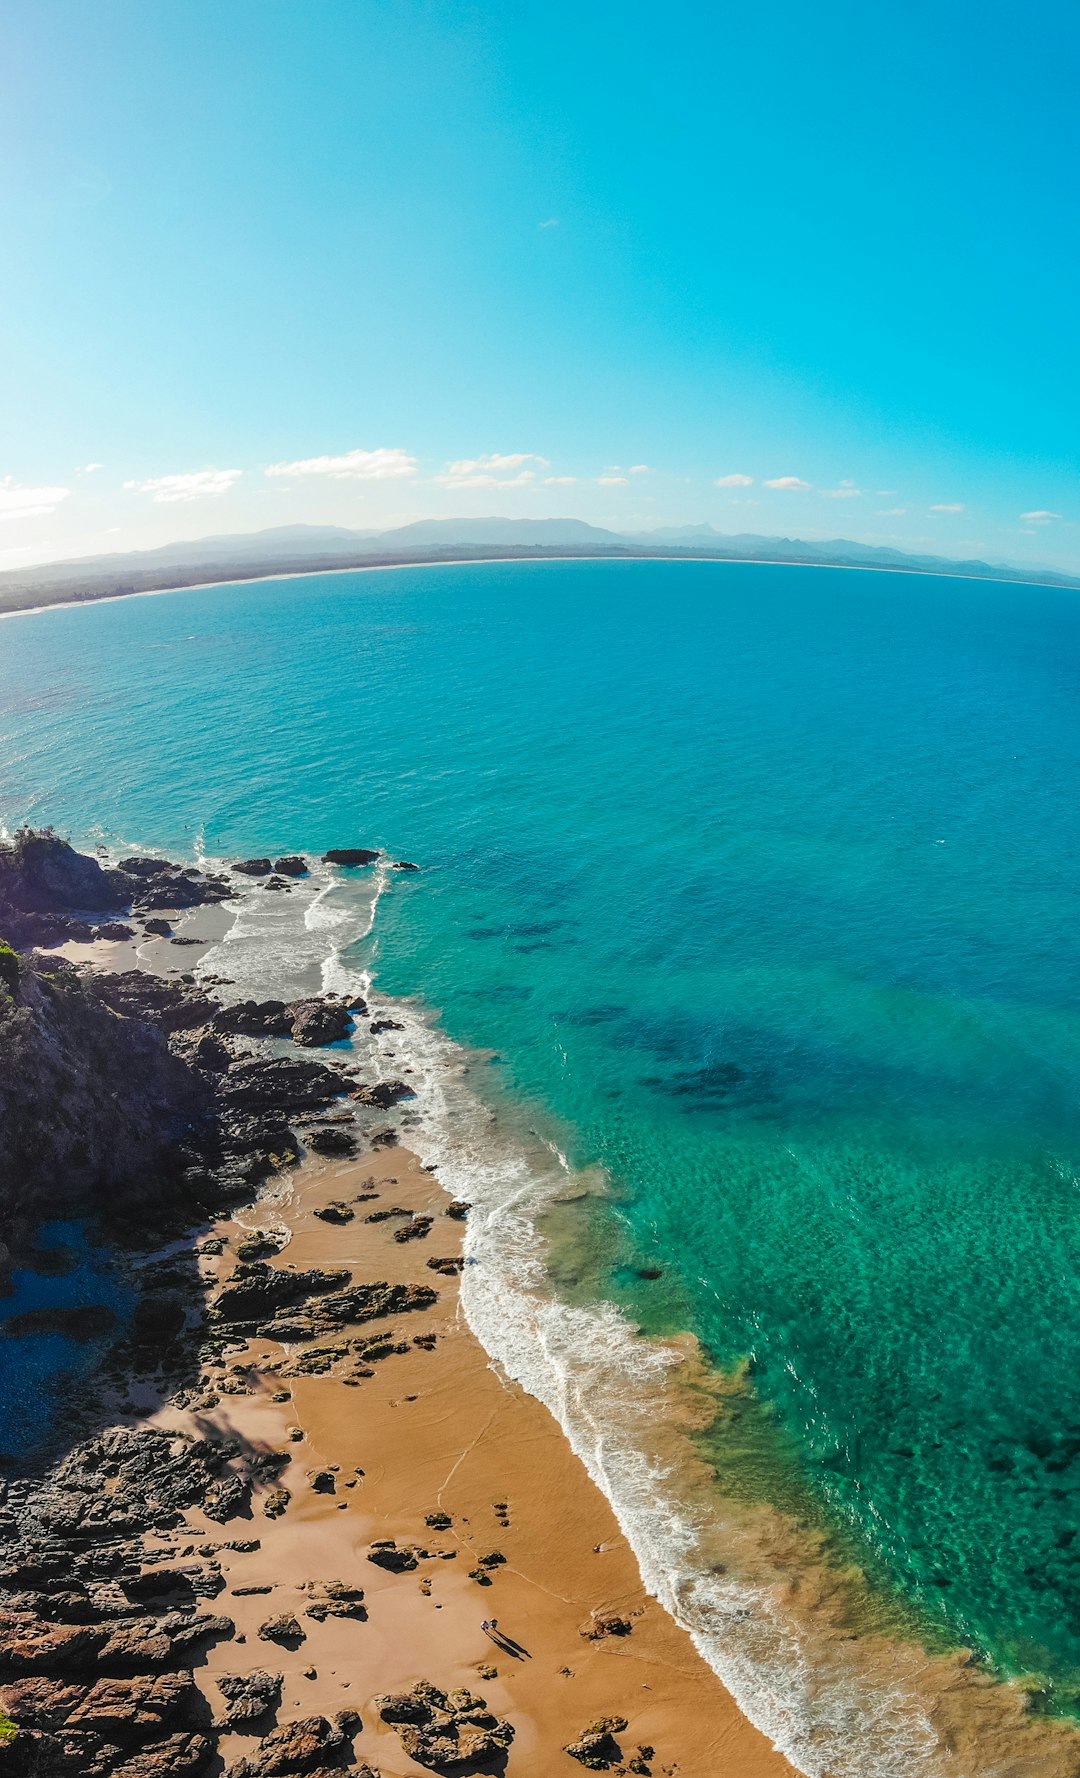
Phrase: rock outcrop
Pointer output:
(445, 1731)
(352, 855)
(93, 1107)
(95, 1653)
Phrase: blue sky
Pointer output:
(832, 248)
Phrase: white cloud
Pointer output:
(89, 469)
(789, 482)
(1042, 517)
(559, 481)
(613, 481)
(17, 502)
(552, 222)
(846, 491)
(884, 493)
(948, 506)
(734, 481)
(638, 469)
(490, 471)
(197, 485)
(380, 465)
(892, 512)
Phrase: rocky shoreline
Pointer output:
(181, 1595)
(95, 1646)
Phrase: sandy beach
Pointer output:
(437, 1431)
(430, 1429)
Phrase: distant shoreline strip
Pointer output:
(523, 558)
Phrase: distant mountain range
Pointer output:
(295, 549)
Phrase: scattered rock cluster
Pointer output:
(98, 1632)
(445, 1731)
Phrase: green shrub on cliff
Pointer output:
(8, 1729)
(9, 968)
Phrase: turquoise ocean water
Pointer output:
(762, 885)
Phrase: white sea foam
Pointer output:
(604, 1384)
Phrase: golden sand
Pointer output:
(440, 1431)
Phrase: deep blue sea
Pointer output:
(762, 884)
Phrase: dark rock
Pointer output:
(249, 1696)
(210, 1053)
(458, 1209)
(605, 1623)
(114, 930)
(282, 1082)
(40, 873)
(158, 928)
(417, 1229)
(292, 866)
(397, 1561)
(277, 883)
(254, 1018)
(339, 1600)
(253, 867)
(384, 1094)
(171, 1006)
(448, 1267)
(92, 1107)
(316, 1022)
(312, 1745)
(88, 1323)
(333, 1212)
(152, 883)
(159, 1319)
(596, 1747)
(350, 855)
(256, 1290)
(403, 864)
(445, 1731)
(285, 1629)
(333, 1141)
